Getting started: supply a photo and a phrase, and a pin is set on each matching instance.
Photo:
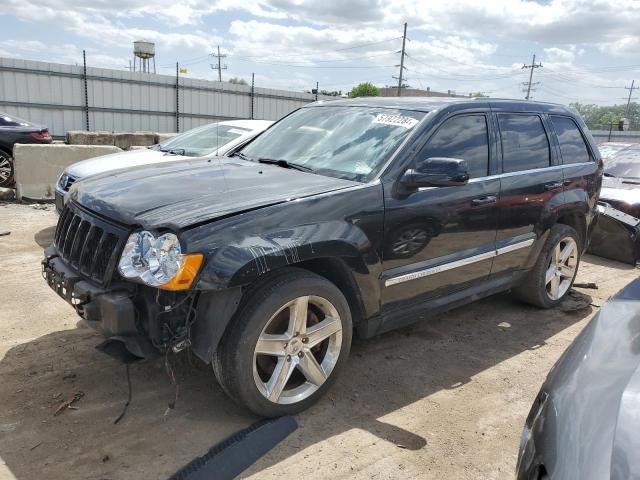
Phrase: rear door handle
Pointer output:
(553, 186)
(483, 200)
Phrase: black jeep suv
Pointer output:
(348, 215)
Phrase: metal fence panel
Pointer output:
(601, 136)
(53, 95)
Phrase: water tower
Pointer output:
(144, 53)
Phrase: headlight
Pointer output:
(62, 181)
(158, 262)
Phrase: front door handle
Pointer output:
(483, 200)
(553, 186)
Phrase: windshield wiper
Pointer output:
(173, 151)
(241, 155)
(286, 164)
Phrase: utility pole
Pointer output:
(317, 91)
(402, 54)
(219, 66)
(533, 66)
(631, 89)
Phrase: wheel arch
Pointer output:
(576, 220)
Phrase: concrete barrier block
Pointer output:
(37, 167)
(163, 137)
(138, 139)
(90, 138)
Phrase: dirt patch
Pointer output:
(441, 399)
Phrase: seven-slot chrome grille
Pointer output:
(87, 244)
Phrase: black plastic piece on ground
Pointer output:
(127, 349)
(232, 456)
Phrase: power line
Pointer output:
(533, 66)
(311, 54)
(302, 65)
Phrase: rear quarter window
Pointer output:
(525, 145)
(572, 145)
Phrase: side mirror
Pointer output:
(437, 172)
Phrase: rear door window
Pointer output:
(464, 137)
(572, 146)
(525, 145)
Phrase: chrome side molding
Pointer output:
(457, 263)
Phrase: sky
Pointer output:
(589, 50)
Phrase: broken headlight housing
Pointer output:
(151, 260)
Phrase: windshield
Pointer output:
(345, 142)
(624, 164)
(203, 140)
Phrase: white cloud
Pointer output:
(559, 55)
(454, 43)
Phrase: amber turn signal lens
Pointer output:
(186, 275)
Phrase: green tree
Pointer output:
(478, 95)
(237, 81)
(366, 89)
(603, 117)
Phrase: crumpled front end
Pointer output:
(81, 267)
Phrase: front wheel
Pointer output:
(549, 281)
(286, 344)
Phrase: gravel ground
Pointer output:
(441, 399)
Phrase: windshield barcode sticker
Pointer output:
(395, 120)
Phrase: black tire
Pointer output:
(533, 289)
(6, 169)
(233, 363)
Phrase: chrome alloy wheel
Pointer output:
(562, 268)
(297, 350)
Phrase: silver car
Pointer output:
(206, 141)
(585, 422)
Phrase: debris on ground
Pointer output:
(4, 234)
(35, 446)
(68, 374)
(68, 404)
(575, 301)
(591, 285)
(39, 206)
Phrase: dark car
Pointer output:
(585, 422)
(360, 215)
(16, 130)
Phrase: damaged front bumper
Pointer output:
(111, 312)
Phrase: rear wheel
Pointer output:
(552, 276)
(6, 169)
(286, 344)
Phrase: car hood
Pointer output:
(116, 161)
(180, 194)
(617, 189)
(590, 427)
